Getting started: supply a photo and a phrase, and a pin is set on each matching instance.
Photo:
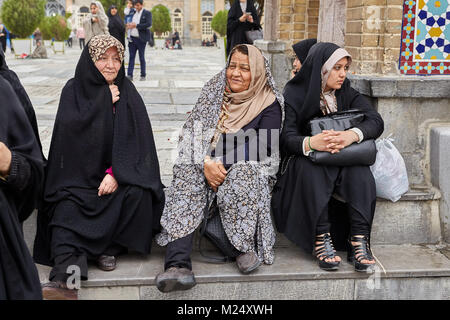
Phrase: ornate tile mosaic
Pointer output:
(425, 47)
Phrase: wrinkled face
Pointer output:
(238, 72)
(337, 75)
(113, 11)
(297, 64)
(138, 6)
(94, 9)
(109, 64)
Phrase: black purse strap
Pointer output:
(209, 258)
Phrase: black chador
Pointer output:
(19, 195)
(236, 29)
(304, 192)
(90, 136)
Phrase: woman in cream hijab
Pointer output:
(96, 22)
(241, 98)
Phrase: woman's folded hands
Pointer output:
(332, 141)
(215, 173)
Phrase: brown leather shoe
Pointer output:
(56, 290)
(174, 279)
(247, 262)
(106, 263)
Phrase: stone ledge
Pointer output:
(402, 86)
(291, 264)
(419, 194)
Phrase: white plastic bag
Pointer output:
(389, 171)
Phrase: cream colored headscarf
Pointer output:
(328, 101)
(241, 108)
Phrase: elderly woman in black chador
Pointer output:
(301, 203)
(116, 26)
(103, 191)
(21, 180)
(242, 17)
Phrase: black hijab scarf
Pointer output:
(18, 275)
(98, 139)
(116, 26)
(302, 48)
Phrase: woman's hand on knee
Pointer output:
(108, 185)
(215, 173)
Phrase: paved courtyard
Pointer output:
(174, 82)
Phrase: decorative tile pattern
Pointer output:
(425, 47)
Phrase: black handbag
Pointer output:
(212, 228)
(363, 153)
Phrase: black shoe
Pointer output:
(142, 78)
(360, 252)
(175, 279)
(325, 250)
(130, 78)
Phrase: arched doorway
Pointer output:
(54, 7)
(207, 31)
(177, 21)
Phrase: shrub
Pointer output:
(55, 27)
(22, 17)
(219, 22)
(160, 20)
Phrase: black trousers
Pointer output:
(178, 253)
(82, 44)
(358, 225)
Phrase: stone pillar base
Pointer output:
(280, 63)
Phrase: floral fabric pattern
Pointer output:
(244, 196)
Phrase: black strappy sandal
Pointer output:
(326, 252)
(360, 252)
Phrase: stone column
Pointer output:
(186, 19)
(332, 17)
(273, 49)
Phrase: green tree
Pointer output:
(219, 22)
(22, 17)
(120, 4)
(55, 27)
(160, 20)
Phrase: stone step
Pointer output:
(411, 272)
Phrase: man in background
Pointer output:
(139, 36)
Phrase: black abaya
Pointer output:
(116, 27)
(88, 138)
(19, 195)
(304, 190)
(236, 29)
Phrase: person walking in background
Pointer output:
(139, 36)
(96, 22)
(116, 26)
(70, 40)
(81, 37)
(3, 36)
(242, 17)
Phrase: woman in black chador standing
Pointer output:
(302, 200)
(103, 190)
(21, 178)
(242, 17)
(116, 26)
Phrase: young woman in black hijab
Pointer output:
(103, 190)
(21, 179)
(301, 203)
(116, 26)
(242, 17)
(301, 50)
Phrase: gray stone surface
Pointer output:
(411, 273)
(402, 86)
(440, 172)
